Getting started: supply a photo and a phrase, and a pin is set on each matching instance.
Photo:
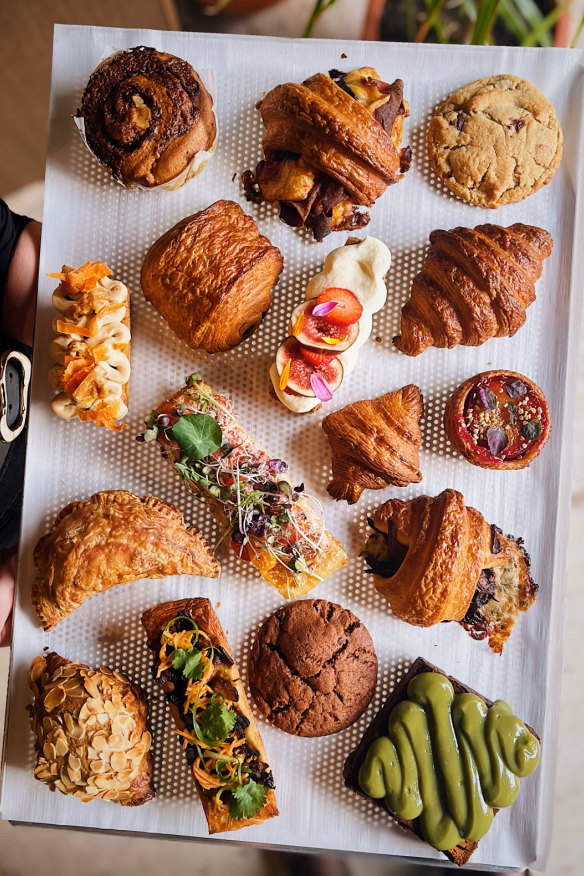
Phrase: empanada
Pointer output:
(113, 538)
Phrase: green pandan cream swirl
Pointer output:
(448, 760)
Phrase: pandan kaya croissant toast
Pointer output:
(271, 523)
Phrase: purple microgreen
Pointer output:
(515, 388)
(488, 398)
(163, 421)
(324, 308)
(140, 437)
(320, 387)
(532, 430)
(497, 441)
(299, 488)
(277, 466)
(512, 413)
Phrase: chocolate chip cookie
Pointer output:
(495, 141)
(312, 668)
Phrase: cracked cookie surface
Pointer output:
(495, 141)
(312, 668)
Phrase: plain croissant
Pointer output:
(476, 284)
(375, 443)
(436, 559)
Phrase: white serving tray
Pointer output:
(88, 216)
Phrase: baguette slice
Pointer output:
(291, 584)
(458, 854)
(225, 679)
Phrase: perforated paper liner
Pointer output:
(87, 216)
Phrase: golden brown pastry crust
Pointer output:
(447, 546)
(476, 284)
(333, 132)
(113, 538)
(200, 610)
(461, 439)
(375, 443)
(211, 277)
(91, 729)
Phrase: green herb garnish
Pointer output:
(188, 662)
(217, 721)
(532, 430)
(197, 435)
(247, 800)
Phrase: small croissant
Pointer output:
(113, 538)
(476, 284)
(437, 559)
(375, 443)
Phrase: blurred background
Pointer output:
(25, 59)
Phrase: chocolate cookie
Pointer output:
(312, 668)
(495, 141)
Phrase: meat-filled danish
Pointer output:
(332, 145)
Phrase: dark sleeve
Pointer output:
(11, 226)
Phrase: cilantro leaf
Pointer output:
(217, 721)
(247, 799)
(188, 662)
(197, 435)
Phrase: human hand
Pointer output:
(7, 578)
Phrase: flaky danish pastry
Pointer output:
(375, 443)
(272, 524)
(476, 284)
(220, 738)
(332, 145)
(435, 559)
(148, 118)
(91, 732)
(92, 346)
(211, 277)
(113, 538)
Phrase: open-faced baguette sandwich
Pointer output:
(271, 522)
(220, 738)
(92, 347)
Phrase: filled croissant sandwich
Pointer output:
(436, 559)
(332, 145)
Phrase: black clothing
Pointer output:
(12, 467)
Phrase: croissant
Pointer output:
(331, 144)
(375, 443)
(211, 277)
(476, 284)
(113, 538)
(436, 559)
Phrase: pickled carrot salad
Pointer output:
(266, 513)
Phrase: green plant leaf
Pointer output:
(247, 800)
(486, 15)
(197, 435)
(545, 25)
(319, 7)
(217, 721)
(188, 662)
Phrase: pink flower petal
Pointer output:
(320, 387)
(324, 308)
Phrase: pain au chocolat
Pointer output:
(148, 118)
(211, 277)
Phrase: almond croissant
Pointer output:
(436, 559)
(476, 284)
(375, 443)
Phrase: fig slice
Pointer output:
(300, 369)
(319, 332)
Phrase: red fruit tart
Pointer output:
(498, 420)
